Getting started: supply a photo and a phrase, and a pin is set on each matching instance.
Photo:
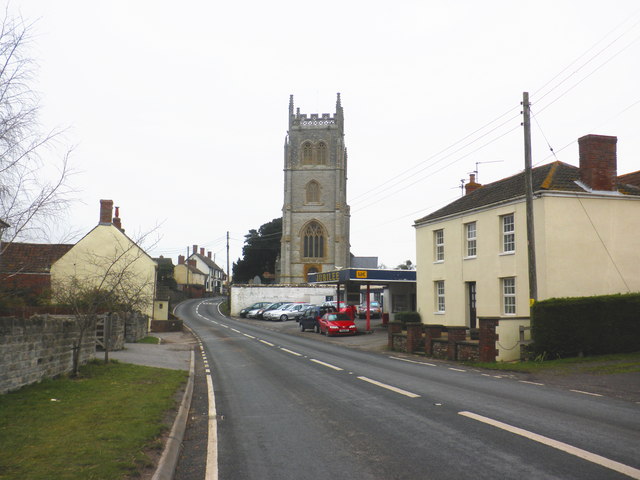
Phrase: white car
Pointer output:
(286, 312)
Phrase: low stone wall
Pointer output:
(136, 327)
(40, 347)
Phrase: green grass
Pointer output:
(92, 427)
(596, 365)
(152, 340)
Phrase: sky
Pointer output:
(177, 111)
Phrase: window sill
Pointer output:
(439, 313)
(503, 254)
(473, 257)
(438, 261)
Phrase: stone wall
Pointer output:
(40, 347)
(136, 327)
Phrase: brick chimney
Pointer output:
(195, 249)
(598, 162)
(106, 210)
(180, 259)
(471, 186)
(202, 251)
(208, 254)
(116, 220)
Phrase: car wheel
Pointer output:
(301, 327)
(284, 318)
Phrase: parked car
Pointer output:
(259, 314)
(276, 312)
(310, 316)
(294, 311)
(246, 310)
(336, 324)
(374, 309)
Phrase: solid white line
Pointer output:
(413, 361)
(531, 383)
(587, 393)
(565, 447)
(291, 352)
(267, 343)
(325, 364)
(211, 470)
(389, 387)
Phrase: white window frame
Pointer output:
(438, 243)
(508, 226)
(508, 285)
(439, 295)
(471, 235)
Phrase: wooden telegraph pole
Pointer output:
(528, 182)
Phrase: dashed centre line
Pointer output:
(586, 393)
(319, 362)
(565, 447)
(291, 352)
(390, 387)
(267, 343)
(249, 336)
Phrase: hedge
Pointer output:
(407, 317)
(568, 327)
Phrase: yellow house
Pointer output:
(472, 254)
(108, 259)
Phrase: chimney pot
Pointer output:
(598, 161)
(106, 209)
(471, 186)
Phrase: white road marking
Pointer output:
(234, 330)
(457, 369)
(325, 364)
(413, 361)
(587, 393)
(249, 336)
(267, 343)
(565, 447)
(211, 470)
(291, 352)
(531, 383)
(390, 387)
(224, 326)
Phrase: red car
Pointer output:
(336, 324)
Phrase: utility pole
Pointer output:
(228, 262)
(528, 182)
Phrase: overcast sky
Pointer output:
(178, 110)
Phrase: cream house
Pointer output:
(108, 259)
(472, 254)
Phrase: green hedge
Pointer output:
(567, 327)
(407, 317)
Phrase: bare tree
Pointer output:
(34, 189)
(118, 276)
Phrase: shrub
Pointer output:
(408, 317)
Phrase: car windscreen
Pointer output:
(338, 317)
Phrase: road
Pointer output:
(292, 407)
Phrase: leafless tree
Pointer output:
(34, 188)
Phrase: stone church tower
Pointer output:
(315, 214)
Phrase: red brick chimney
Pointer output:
(598, 162)
(209, 254)
(471, 186)
(116, 220)
(180, 259)
(195, 249)
(106, 210)
(202, 251)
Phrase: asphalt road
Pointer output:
(293, 407)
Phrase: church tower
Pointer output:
(315, 214)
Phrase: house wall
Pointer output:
(103, 247)
(486, 268)
(242, 296)
(596, 253)
(584, 246)
(180, 275)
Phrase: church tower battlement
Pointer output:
(315, 214)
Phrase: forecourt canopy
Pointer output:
(364, 276)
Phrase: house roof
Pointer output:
(632, 179)
(555, 176)
(208, 262)
(30, 257)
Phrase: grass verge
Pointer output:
(149, 339)
(596, 365)
(92, 427)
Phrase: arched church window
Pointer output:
(313, 241)
(322, 153)
(313, 192)
(307, 153)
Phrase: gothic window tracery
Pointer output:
(307, 153)
(313, 192)
(313, 241)
(322, 153)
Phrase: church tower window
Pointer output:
(307, 153)
(313, 192)
(322, 153)
(313, 242)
